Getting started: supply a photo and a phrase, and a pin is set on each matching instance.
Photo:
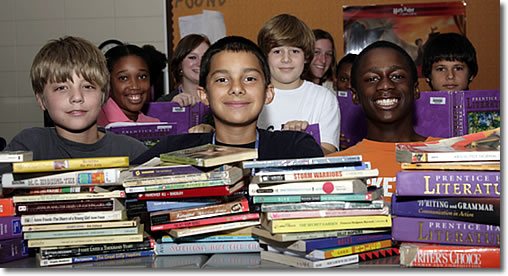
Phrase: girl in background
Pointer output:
(321, 70)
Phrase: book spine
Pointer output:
(59, 190)
(80, 226)
(81, 233)
(269, 207)
(328, 224)
(324, 187)
(186, 193)
(183, 232)
(13, 249)
(332, 160)
(202, 222)
(348, 250)
(73, 196)
(445, 232)
(154, 206)
(53, 253)
(212, 238)
(310, 245)
(95, 258)
(477, 210)
(457, 156)
(15, 156)
(85, 240)
(310, 198)
(163, 171)
(206, 248)
(426, 255)
(175, 186)
(449, 183)
(300, 262)
(72, 217)
(10, 227)
(64, 207)
(7, 207)
(78, 178)
(200, 212)
(323, 175)
(378, 254)
(70, 164)
(326, 213)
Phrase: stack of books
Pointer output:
(195, 201)
(318, 212)
(71, 210)
(446, 208)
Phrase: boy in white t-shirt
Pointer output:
(289, 45)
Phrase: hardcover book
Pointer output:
(7, 207)
(326, 224)
(449, 183)
(307, 162)
(456, 113)
(183, 117)
(353, 124)
(435, 255)
(155, 167)
(302, 262)
(71, 164)
(13, 249)
(143, 131)
(478, 210)
(15, 156)
(349, 186)
(441, 231)
(209, 155)
(10, 227)
(480, 146)
(206, 248)
(193, 193)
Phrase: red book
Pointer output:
(196, 192)
(206, 221)
(7, 207)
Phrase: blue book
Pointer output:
(308, 245)
(152, 206)
(213, 238)
(192, 248)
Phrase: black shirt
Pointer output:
(272, 145)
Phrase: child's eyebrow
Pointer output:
(245, 70)
(392, 68)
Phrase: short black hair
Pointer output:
(347, 59)
(449, 47)
(383, 44)
(116, 53)
(233, 44)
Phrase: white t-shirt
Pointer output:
(309, 102)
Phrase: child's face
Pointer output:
(323, 55)
(286, 66)
(344, 77)
(384, 86)
(73, 105)
(235, 89)
(192, 62)
(130, 84)
(449, 76)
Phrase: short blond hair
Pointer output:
(58, 59)
(287, 30)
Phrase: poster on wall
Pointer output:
(407, 25)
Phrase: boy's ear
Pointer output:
(40, 101)
(203, 96)
(269, 94)
(354, 96)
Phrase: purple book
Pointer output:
(10, 227)
(353, 125)
(144, 132)
(313, 130)
(443, 231)
(455, 113)
(13, 249)
(328, 243)
(471, 209)
(448, 183)
(183, 117)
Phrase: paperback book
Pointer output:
(81, 225)
(153, 206)
(15, 156)
(87, 216)
(328, 253)
(66, 206)
(302, 262)
(291, 237)
(206, 221)
(186, 232)
(93, 258)
(7, 207)
(454, 166)
(215, 191)
(206, 248)
(155, 167)
(348, 186)
(325, 213)
(334, 161)
(331, 205)
(326, 224)
(313, 175)
(209, 155)
(367, 196)
(71, 164)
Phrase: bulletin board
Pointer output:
(245, 18)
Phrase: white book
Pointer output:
(15, 156)
(312, 175)
(301, 262)
(81, 226)
(138, 237)
(348, 186)
(118, 214)
(81, 233)
(184, 232)
(70, 196)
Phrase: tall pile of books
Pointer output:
(446, 208)
(319, 212)
(72, 210)
(194, 200)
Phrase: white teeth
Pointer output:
(135, 97)
(387, 102)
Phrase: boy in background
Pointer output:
(234, 80)
(71, 81)
(384, 82)
(449, 62)
(289, 45)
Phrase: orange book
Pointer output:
(7, 207)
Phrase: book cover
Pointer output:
(449, 183)
(144, 131)
(368, 196)
(103, 177)
(209, 155)
(454, 166)
(7, 207)
(291, 237)
(153, 206)
(322, 254)
(441, 231)
(326, 224)
(325, 243)
(205, 221)
(94, 258)
(68, 206)
(10, 227)
(353, 123)
(478, 210)
(236, 206)
(155, 167)
(70, 196)
(325, 213)
(71, 164)
(480, 146)
(80, 225)
(185, 232)
(74, 217)
(308, 162)
(456, 113)
(313, 174)
(138, 237)
(15, 156)
(332, 205)
(13, 249)
(183, 117)
(348, 186)
(193, 193)
(206, 248)
(435, 255)
(176, 186)
(301, 262)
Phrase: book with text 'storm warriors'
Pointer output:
(454, 166)
(71, 164)
(194, 192)
(436, 255)
(313, 175)
(15, 156)
(480, 146)
(443, 231)
(473, 209)
(332, 161)
(348, 186)
(209, 155)
(449, 183)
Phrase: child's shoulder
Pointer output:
(36, 132)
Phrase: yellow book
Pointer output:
(326, 223)
(322, 254)
(71, 164)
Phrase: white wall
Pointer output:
(26, 25)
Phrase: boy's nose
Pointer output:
(76, 96)
(237, 88)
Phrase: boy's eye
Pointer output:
(60, 88)
(276, 51)
(396, 77)
(440, 69)
(459, 68)
(221, 80)
(89, 87)
(250, 79)
(295, 51)
(372, 79)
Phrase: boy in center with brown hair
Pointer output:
(234, 80)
